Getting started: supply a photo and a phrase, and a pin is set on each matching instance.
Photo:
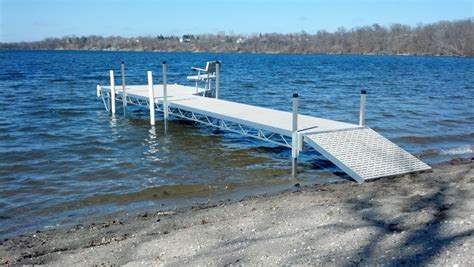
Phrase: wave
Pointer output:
(462, 150)
(434, 139)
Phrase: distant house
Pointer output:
(240, 40)
(186, 38)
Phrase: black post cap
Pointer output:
(295, 95)
(123, 62)
(164, 62)
(363, 92)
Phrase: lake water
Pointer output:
(63, 159)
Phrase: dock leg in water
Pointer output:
(151, 98)
(112, 92)
(124, 93)
(218, 78)
(165, 129)
(165, 93)
(109, 102)
(363, 95)
(165, 99)
(295, 146)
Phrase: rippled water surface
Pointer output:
(63, 158)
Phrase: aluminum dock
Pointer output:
(356, 149)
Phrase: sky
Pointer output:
(31, 20)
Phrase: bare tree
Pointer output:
(454, 38)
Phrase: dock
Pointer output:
(356, 149)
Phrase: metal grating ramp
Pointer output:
(364, 154)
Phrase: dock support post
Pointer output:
(363, 95)
(98, 90)
(294, 140)
(112, 91)
(151, 98)
(218, 78)
(124, 93)
(165, 93)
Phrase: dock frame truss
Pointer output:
(226, 125)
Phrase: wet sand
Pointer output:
(424, 218)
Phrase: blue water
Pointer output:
(62, 158)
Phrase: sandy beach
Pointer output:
(420, 219)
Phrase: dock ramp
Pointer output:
(364, 154)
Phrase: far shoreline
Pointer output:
(238, 53)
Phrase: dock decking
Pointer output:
(184, 97)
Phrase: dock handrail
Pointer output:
(198, 69)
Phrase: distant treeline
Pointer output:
(442, 38)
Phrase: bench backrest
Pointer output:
(211, 66)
